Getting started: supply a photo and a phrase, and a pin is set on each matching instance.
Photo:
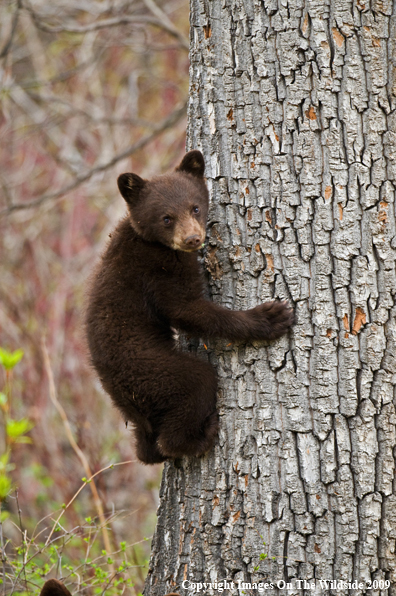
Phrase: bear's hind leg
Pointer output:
(170, 398)
(190, 425)
(194, 439)
(146, 447)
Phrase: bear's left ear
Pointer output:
(130, 186)
(192, 163)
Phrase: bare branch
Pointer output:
(164, 24)
(87, 481)
(6, 191)
(75, 111)
(80, 454)
(67, 74)
(165, 124)
(8, 43)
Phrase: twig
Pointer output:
(24, 540)
(80, 454)
(80, 489)
(164, 24)
(8, 43)
(28, 560)
(75, 111)
(97, 559)
(63, 76)
(3, 555)
(5, 190)
(167, 23)
(112, 578)
(7, 409)
(145, 140)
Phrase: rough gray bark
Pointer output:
(293, 105)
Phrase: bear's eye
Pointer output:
(167, 220)
(196, 209)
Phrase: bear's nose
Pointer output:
(193, 241)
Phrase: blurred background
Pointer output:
(89, 89)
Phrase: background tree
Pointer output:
(293, 105)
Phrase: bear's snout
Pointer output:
(192, 242)
(189, 235)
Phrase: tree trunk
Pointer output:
(293, 105)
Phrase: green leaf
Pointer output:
(5, 486)
(22, 440)
(10, 359)
(16, 428)
(4, 459)
(3, 399)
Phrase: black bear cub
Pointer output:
(148, 282)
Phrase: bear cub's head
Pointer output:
(170, 209)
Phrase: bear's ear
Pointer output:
(130, 186)
(192, 163)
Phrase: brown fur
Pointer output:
(53, 587)
(149, 281)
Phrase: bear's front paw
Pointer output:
(273, 319)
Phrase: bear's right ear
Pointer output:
(130, 186)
